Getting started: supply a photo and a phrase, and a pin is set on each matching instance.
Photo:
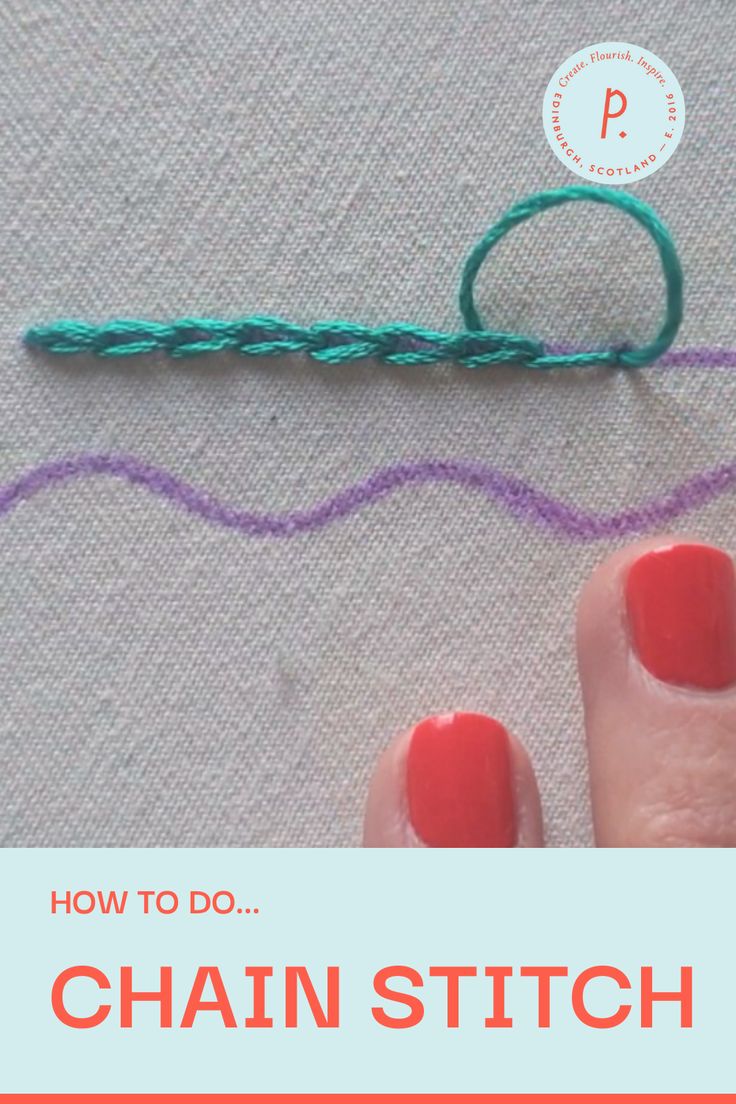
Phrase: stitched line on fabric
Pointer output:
(403, 343)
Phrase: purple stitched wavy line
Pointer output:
(519, 498)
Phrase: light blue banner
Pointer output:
(362, 911)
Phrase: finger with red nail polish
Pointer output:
(657, 661)
(681, 612)
(454, 780)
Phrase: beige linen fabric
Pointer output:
(165, 682)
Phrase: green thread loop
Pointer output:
(638, 210)
(398, 343)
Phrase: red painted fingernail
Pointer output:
(681, 608)
(458, 781)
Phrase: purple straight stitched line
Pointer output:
(519, 498)
(698, 358)
(694, 357)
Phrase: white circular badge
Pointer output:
(614, 113)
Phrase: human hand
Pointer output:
(656, 643)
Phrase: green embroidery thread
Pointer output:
(398, 343)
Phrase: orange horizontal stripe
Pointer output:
(363, 1098)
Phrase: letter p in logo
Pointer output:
(606, 119)
(609, 114)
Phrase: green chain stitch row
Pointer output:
(398, 343)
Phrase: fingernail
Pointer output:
(458, 779)
(681, 608)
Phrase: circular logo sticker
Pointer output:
(614, 113)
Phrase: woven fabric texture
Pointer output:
(165, 681)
